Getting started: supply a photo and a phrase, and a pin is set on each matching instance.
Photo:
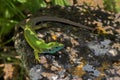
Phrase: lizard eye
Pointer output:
(49, 49)
(56, 47)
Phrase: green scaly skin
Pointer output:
(39, 45)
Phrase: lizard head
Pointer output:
(53, 47)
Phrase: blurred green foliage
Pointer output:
(117, 4)
(109, 5)
(8, 11)
(112, 5)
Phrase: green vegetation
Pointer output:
(112, 5)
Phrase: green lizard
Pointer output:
(39, 45)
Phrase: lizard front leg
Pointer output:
(36, 56)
